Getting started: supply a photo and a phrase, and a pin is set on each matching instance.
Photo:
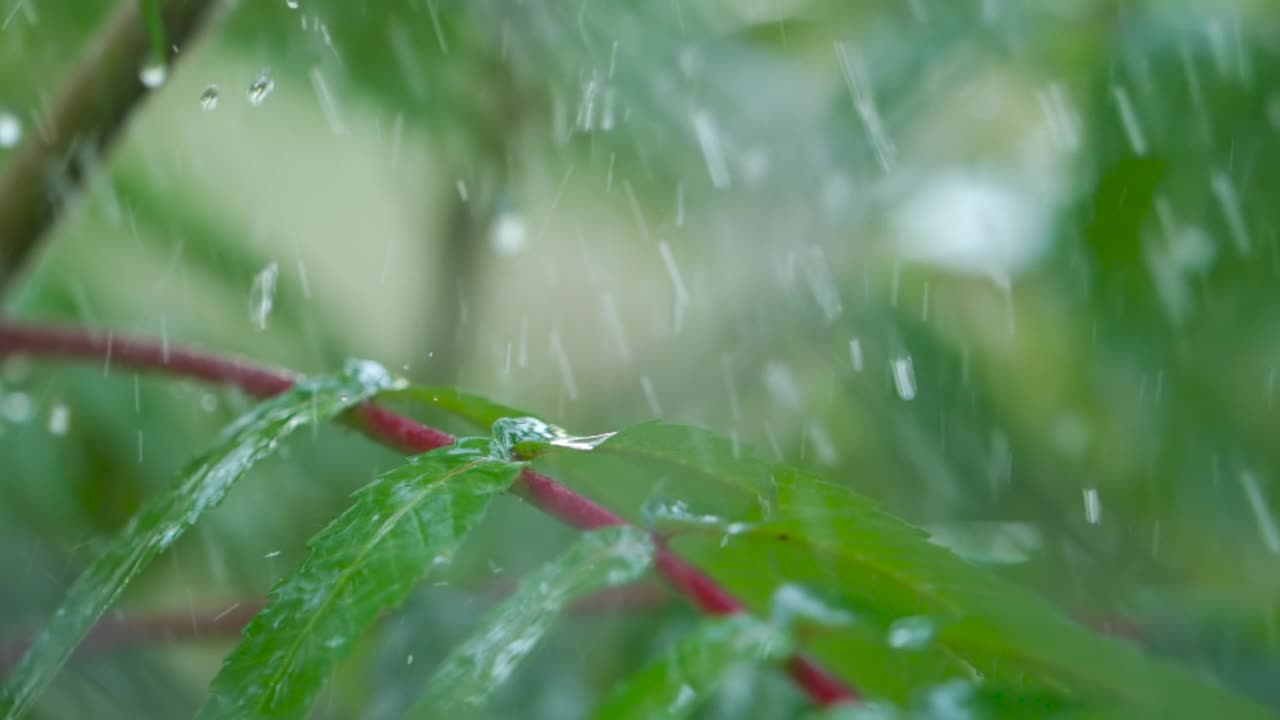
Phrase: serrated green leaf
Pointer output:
(470, 675)
(200, 487)
(694, 668)
(365, 562)
(826, 535)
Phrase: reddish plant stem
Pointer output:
(147, 628)
(406, 435)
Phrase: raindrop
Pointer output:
(651, 395)
(566, 369)
(1092, 506)
(911, 633)
(791, 602)
(904, 377)
(704, 127)
(262, 295)
(855, 354)
(509, 234)
(859, 84)
(291, 4)
(10, 129)
(781, 385)
(153, 72)
(1129, 118)
(209, 98)
(1224, 190)
(16, 407)
(261, 87)
(1261, 513)
(59, 419)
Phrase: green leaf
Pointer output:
(694, 668)
(200, 487)
(477, 410)
(470, 675)
(961, 700)
(657, 463)
(401, 525)
(826, 536)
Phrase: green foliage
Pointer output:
(678, 685)
(199, 487)
(475, 670)
(924, 612)
(403, 525)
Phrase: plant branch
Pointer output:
(86, 117)
(406, 435)
(150, 628)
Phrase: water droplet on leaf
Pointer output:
(911, 633)
(209, 98)
(153, 73)
(261, 87)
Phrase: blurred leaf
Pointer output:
(830, 537)
(404, 523)
(473, 672)
(958, 699)
(200, 487)
(678, 685)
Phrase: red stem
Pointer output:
(170, 626)
(406, 435)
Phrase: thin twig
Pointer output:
(88, 114)
(406, 435)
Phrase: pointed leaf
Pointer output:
(470, 675)
(200, 487)
(826, 536)
(365, 562)
(475, 409)
(658, 462)
(694, 668)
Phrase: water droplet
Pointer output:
(10, 129)
(904, 377)
(704, 128)
(911, 633)
(208, 402)
(791, 602)
(509, 234)
(261, 87)
(291, 4)
(59, 419)
(262, 295)
(584, 442)
(153, 72)
(209, 98)
(370, 374)
(1092, 506)
(336, 641)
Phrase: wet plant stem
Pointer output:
(403, 434)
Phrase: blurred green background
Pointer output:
(1012, 269)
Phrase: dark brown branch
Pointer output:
(60, 151)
